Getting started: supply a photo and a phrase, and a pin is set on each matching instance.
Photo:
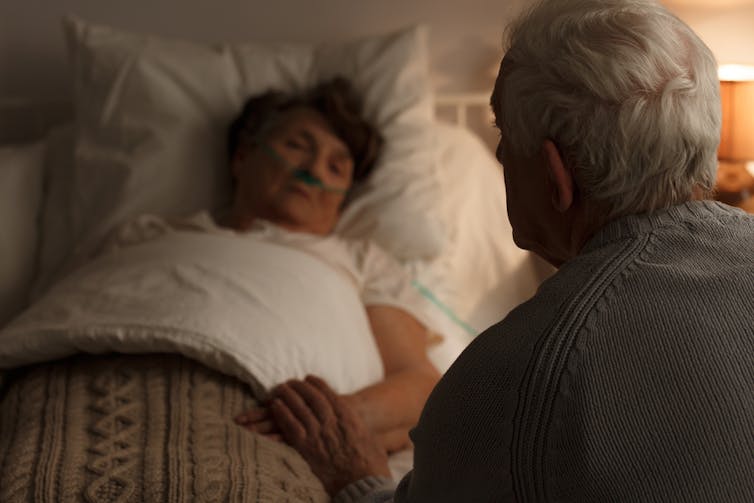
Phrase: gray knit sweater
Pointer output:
(629, 377)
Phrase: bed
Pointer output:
(103, 411)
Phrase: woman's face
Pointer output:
(266, 188)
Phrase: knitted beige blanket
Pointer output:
(138, 428)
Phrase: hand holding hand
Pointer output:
(327, 432)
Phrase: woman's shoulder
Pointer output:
(366, 253)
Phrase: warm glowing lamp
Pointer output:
(735, 179)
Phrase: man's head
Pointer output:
(294, 157)
(605, 108)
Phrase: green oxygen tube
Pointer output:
(299, 174)
(427, 293)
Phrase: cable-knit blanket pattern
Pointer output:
(138, 428)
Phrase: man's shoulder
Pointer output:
(571, 291)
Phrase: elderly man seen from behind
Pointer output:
(629, 376)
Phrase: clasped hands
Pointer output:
(323, 427)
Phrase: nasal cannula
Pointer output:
(427, 293)
(299, 174)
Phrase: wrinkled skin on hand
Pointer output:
(324, 429)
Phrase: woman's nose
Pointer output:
(317, 165)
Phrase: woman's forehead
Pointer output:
(306, 118)
(313, 126)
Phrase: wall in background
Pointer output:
(727, 26)
(465, 38)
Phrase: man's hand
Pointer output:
(327, 432)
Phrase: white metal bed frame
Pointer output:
(23, 120)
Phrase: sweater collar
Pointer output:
(634, 225)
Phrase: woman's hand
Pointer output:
(259, 420)
(327, 432)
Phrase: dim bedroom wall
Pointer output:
(725, 25)
(465, 37)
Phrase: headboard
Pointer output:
(24, 119)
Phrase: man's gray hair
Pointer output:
(626, 90)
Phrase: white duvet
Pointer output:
(260, 311)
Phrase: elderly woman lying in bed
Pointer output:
(264, 291)
(294, 160)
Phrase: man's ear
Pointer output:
(559, 175)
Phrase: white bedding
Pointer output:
(259, 311)
(198, 296)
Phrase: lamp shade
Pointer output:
(737, 135)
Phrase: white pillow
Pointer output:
(481, 273)
(55, 239)
(21, 172)
(152, 116)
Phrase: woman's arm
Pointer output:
(392, 406)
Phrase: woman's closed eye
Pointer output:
(337, 169)
(296, 145)
(341, 167)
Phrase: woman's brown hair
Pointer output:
(338, 103)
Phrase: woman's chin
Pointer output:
(300, 220)
(300, 214)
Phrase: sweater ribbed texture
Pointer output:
(628, 377)
(377, 489)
